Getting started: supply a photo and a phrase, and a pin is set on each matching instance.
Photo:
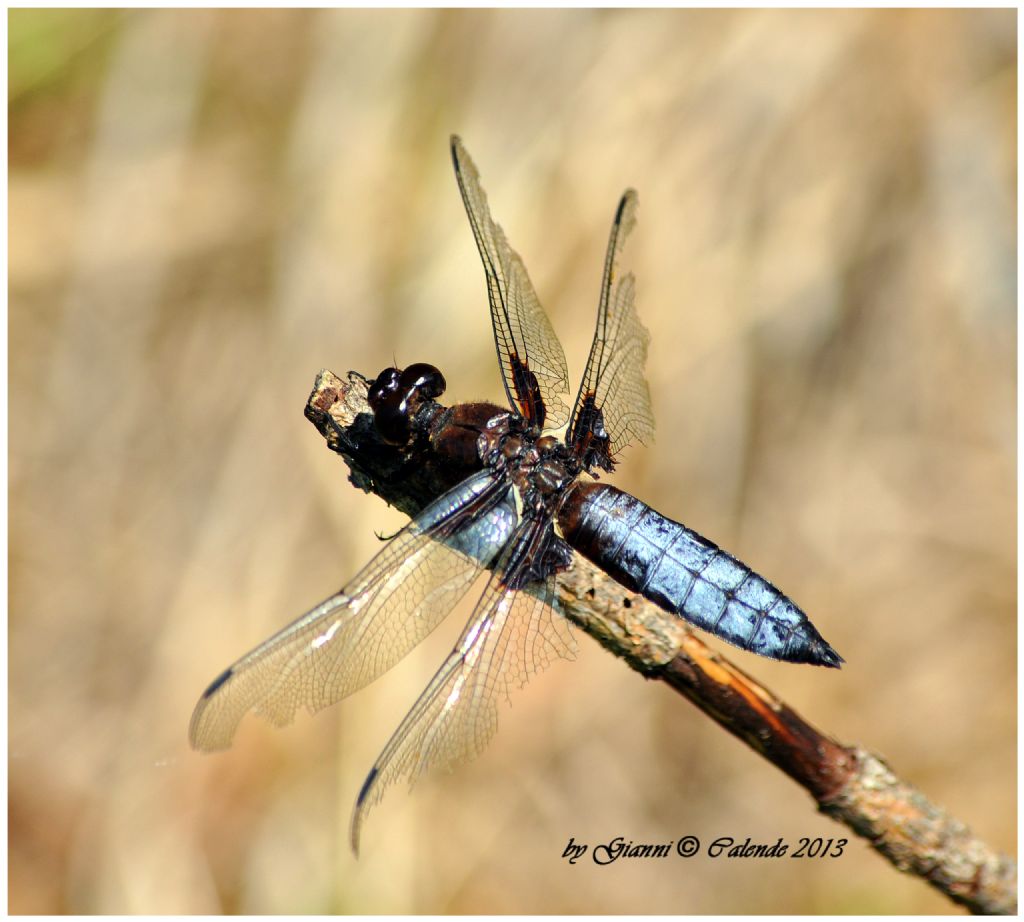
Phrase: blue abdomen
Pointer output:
(688, 575)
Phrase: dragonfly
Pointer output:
(530, 501)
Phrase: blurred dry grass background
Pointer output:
(207, 207)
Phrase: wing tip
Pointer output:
(200, 736)
(630, 200)
(357, 814)
(365, 789)
(458, 150)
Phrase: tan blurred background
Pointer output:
(206, 208)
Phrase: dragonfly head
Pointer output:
(396, 396)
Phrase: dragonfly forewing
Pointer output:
(613, 395)
(350, 639)
(523, 334)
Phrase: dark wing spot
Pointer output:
(364, 790)
(218, 682)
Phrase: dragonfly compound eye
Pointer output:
(396, 397)
(424, 379)
(385, 385)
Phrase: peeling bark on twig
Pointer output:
(847, 782)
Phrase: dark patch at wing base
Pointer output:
(528, 392)
(589, 436)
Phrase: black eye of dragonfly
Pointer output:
(395, 396)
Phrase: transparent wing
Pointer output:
(532, 361)
(344, 643)
(509, 637)
(613, 395)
